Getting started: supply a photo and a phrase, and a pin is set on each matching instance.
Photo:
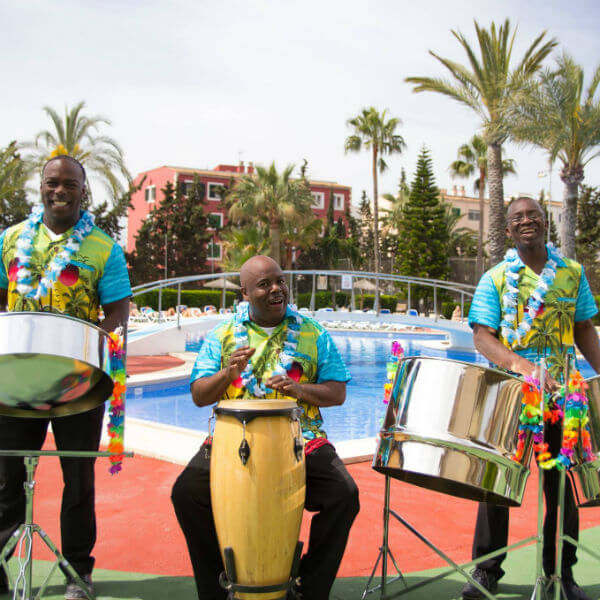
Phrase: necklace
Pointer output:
(24, 251)
(286, 355)
(514, 336)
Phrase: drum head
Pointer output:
(51, 365)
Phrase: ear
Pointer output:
(244, 293)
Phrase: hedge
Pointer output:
(192, 298)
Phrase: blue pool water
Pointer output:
(365, 354)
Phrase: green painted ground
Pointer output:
(517, 583)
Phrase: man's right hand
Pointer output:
(530, 369)
(238, 361)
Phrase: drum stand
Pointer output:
(23, 585)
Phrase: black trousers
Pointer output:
(330, 492)
(77, 516)
(491, 529)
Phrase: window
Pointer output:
(473, 215)
(214, 251)
(150, 193)
(318, 199)
(456, 212)
(214, 190)
(338, 201)
(215, 220)
(185, 187)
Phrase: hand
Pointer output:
(238, 361)
(286, 385)
(529, 368)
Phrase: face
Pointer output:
(62, 190)
(266, 291)
(526, 224)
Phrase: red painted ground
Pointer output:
(146, 364)
(138, 531)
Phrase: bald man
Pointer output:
(316, 378)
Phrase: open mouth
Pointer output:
(278, 301)
(58, 203)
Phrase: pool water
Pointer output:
(365, 354)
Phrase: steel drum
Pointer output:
(585, 476)
(51, 365)
(452, 427)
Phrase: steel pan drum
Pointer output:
(452, 427)
(585, 476)
(51, 365)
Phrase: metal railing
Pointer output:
(460, 289)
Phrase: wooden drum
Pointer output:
(258, 483)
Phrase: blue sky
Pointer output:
(201, 83)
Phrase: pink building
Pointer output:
(150, 196)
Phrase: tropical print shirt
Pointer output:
(320, 361)
(551, 336)
(96, 275)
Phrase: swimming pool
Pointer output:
(365, 353)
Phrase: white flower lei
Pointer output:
(510, 298)
(286, 356)
(25, 249)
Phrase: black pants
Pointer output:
(330, 491)
(77, 516)
(491, 529)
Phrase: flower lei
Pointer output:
(513, 335)
(392, 368)
(25, 249)
(286, 356)
(117, 401)
(572, 404)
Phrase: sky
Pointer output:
(197, 84)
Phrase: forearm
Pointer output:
(208, 390)
(116, 314)
(328, 393)
(586, 339)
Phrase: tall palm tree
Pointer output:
(272, 197)
(372, 130)
(78, 136)
(472, 158)
(559, 115)
(242, 243)
(487, 86)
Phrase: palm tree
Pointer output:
(77, 135)
(557, 114)
(461, 240)
(487, 86)
(242, 243)
(272, 197)
(472, 158)
(299, 235)
(373, 130)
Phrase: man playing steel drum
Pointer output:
(317, 378)
(530, 272)
(58, 261)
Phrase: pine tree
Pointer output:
(14, 172)
(424, 235)
(587, 241)
(366, 246)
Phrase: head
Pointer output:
(526, 222)
(62, 190)
(264, 288)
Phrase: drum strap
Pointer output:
(315, 444)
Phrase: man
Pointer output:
(316, 378)
(96, 275)
(566, 309)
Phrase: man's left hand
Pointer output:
(286, 385)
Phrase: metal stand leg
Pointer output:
(23, 585)
(384, 551)
(542, 585)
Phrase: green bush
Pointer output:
(323, 300)
(191, 298)
(448, 308)
(596, 318)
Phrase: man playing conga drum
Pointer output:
(58, 261)
(318, 377)
(562, 320)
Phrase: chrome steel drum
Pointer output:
(585, 476)
(452, 427)
(51, 365)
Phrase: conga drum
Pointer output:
(258, 482)
(51, 365)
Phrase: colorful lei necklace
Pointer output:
(116, 423)
(391, 369)
(512, 335)
(572, 404)
(25, 249)
(286, 356)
